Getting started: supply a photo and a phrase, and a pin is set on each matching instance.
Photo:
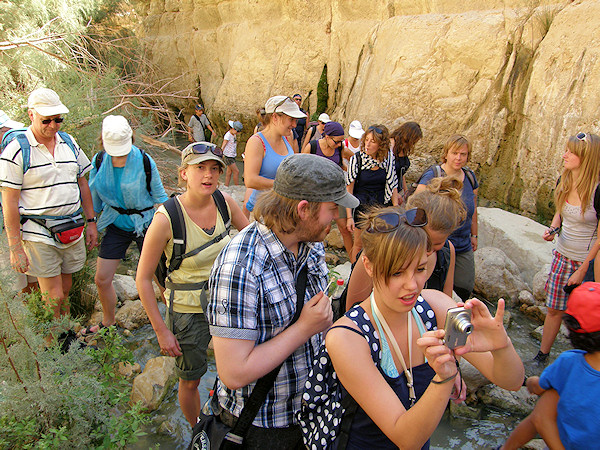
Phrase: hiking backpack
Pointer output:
(147, 167)
(313, 151)
(173, 207)
(438, 172)
(19, 135)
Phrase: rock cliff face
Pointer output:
(516, 78)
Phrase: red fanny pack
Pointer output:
(67, 232)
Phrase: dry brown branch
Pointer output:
(8, 45)
(160, 144)
(11, 363)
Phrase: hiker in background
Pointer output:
(404, 139)
(202, 214)
(44, 191)
(352, 142)
(229, 147)
(23, 283)
(371, 178)
(330, 147)
(266, 149)
(576, 223)
(315, 131)
(125, 186)
(455, 155)
(445, 212)
(301, 127)
(392, 360)
(198, 125)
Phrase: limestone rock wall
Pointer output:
(517, 76)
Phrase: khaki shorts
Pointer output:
(191, 331)
(47, 261)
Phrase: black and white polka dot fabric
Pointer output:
(322, 412)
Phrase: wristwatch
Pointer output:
(92, 220)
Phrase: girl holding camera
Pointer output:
(396, 338)
(577, 220)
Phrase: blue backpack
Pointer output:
(19, 135)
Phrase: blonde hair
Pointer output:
(442, 202)
(280, 213)
(390, 252)
(454, 143)
(588, 151)
(382, 139)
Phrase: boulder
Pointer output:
(519, 238)
(332, 258)
(132, 315)
(129, 370)
(520, 402)
(535, 312)
(154, 383)
(471, 376)
(496, 275)
(526, 298)
(125, 287)
(334, 238)
(539, 283)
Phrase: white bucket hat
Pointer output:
(356, 129)
(46, 103)
(116, 135)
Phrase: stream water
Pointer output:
(170, 430)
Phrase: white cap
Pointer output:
(116, 135)
(46, 103)
(356, 129)
(5, 122)
(285, 105)
(323, 117)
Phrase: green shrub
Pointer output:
(53, 400)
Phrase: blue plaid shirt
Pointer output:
(253, 297)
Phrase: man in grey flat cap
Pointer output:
(253, 298)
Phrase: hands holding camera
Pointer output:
(488, 332)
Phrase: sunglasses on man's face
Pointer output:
(57, 120)
(201, 149)
(390, 221)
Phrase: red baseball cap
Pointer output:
(584, 305)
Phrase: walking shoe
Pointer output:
(536, 365)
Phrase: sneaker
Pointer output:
(536, 365)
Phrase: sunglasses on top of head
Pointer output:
(58, 120)
(375, 129)
(582, 136)
(390, 221)
(201, 149)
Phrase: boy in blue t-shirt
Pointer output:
(568, 412)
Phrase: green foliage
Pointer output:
(53, 400)
(322, 92)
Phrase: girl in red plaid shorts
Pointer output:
(576, 219)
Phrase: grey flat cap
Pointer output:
(313, 178)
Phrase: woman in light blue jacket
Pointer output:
(125, 186)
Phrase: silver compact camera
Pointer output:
(458, 327)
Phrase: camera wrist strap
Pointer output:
(407, 372)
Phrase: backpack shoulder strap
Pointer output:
(437, 170)
(99, 159)
(313, 147)
(222, 208)
(147, 171)
(19, 135)
(470, 175)
(67, 138)
(178, 229)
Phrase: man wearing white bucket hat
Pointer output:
(44, 193)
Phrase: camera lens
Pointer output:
(463, 323)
